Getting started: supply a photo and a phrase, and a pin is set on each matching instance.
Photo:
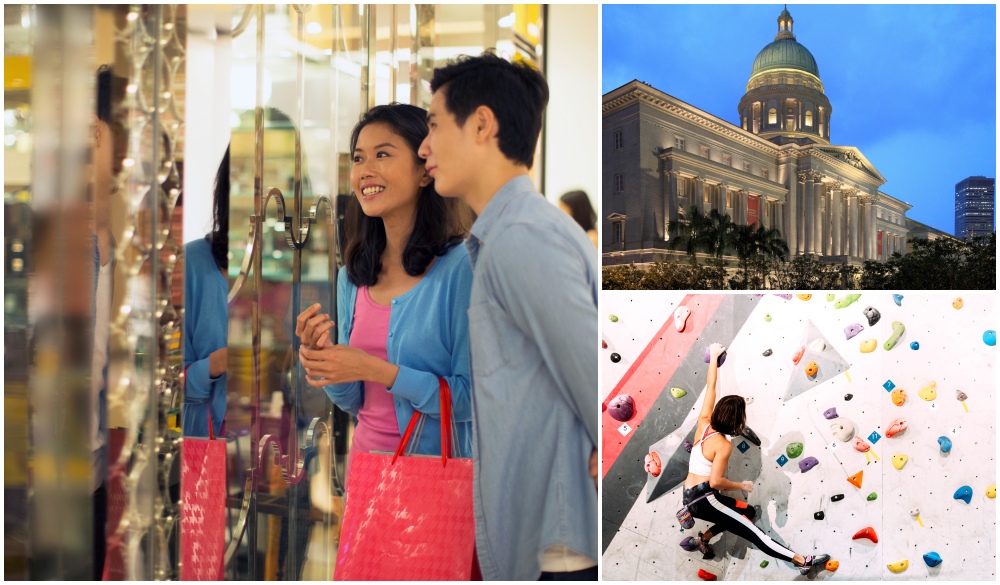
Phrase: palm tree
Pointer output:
(689, 235)
(750, 240)
(719, 235)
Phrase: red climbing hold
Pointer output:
(706, 575)
(868, 533)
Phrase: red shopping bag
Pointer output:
(203, 508)
(409, 518)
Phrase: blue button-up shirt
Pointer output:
(533, 339)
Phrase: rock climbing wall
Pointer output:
(937, 351)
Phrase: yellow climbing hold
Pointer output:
(958, 303)
(899, 566)
(868, 345)
(678, 392)
(899, 460)
(991, 492)
(928, 392)
(804, 297)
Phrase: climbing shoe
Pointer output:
(704, 548)
(814, 562)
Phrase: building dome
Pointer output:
(784, 53)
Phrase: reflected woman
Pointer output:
(402, 296)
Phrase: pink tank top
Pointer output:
(377, 428)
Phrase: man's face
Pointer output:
(449, 149)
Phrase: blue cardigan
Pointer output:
(428, 338)
(206, 329)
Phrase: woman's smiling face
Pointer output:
(385, 175)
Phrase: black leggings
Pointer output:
(732, 515)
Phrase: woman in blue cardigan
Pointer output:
(402, 296)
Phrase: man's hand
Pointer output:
(593, 466)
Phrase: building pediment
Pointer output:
(853, 157)
(617, 217)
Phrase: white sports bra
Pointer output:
(699, 465)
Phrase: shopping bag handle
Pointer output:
(446, 439)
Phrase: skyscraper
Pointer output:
(974, 207)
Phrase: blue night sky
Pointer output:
(913, 87)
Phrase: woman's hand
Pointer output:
(747, 486)
(715, 350)
(313, 328)
(340, 364)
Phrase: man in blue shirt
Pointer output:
(532, 326)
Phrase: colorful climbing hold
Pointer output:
(706, 575)
(785, 296)
(812, 369)
(962, 397)
(653, 465)
(689, 544)
(846, 301)
(763, 563)
(819, 515)
(708, 356)
(932, 559)
(868, 345)
(853, 329)
(898, 396)
(817, 345)
(897, 331)
(899, 460)
(899, 566)
(958, 303)
(868, 533)
(843, 430)
(897, 426)
(860, 445)
(767, 352)
(678, 392)
(808, 463)
(964, 493)
(794, 450)
(688, 446)
(680, 317)
(830, 297)
(898, 299)
(848, 396)
(750, 435)
(990, 337)
(914, 345)
(872, 497)
(991, 492)
(916, 514)
(872, 314)
(767, 317)
(836, 497)
(855, 479)
(798, 355)
(615, 358)
(604, 344)
(928, 392)
(830, 413)
(832, 565)
(804, 297)
(945, 444)
(613, 318)
(621, 408)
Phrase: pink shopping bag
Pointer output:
(203, 508)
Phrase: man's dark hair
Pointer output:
(104, 85)
(219, 238)
(516, 92)
(580, 209)
(729, 416)
(438, 224)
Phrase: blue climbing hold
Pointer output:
(808, 463)
(990, 337)
(914, 345)
(898, 299)
(945, 443)
(964, 493)
(932, 559)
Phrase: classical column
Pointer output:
(791, 209)
(817, 216)
(872, 227)
(865, 232)
(827, 223)
(672, 196)
(836, 201)
(852, 230)
(807, 219)
(742, 195)
(699, 194)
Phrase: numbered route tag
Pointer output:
(624, 429)
(953, 432)
(834, 446)
(932, 406)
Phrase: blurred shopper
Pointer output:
(577, 205)
(533, 324)
(402, 295)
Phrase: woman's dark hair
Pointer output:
(730, 415)
(580, 208)
(219, 238)
(439, 223)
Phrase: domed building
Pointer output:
(778, 168)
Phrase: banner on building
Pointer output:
(753, 209)
(880, 243)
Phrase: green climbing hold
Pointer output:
(763, 564)
(678, 392)
(846, 301)
(897, 331)
(767, 317)
(872, 497)
(793, 450)
(613, 317)
(829, 298)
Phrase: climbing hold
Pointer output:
(872, 497)
(872, 314)
(829, 298)
(653, 464)
(868, 533)
(751, 436)
(958, 303)
(932, 559)
(914, 345)
(808, 463)
(622, 407)
(689, 544)
(615, 358)
(928, 392)
(860, 445)
(990, 337)
(832, 565)
(817, 345)
(680, 317)
(846, 301)
(991, 492)
(706, 575)
(678, 392)
(785, 296)
(899, 460)
(897, 331)
(767, 352)
(767, 317)
(804, 297)
(613, 318)
(868, 345)
(830, 413)
(899, 566)
(794, 450)
(853, 329)
(898, 299)
(748, 400)
(708, 356)
(964, 493)
(819, 515)
(837, 497)
(855, 479)
(945, 444)
(898, 396)
(848, 397)
(916, 514)
(812, 369)
(604, 344)
(688, 446)
(798, 355)
(763, 563)
(843, 430)
(897, 426)
(962, 397)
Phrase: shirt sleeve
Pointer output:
(206, 330)
(348, 396)
(543, 282)
(422, 389)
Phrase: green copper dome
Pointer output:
(785, 53)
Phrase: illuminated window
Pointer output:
(809, 119)
(705, 152)
(729, 199)
(678, 143)
(763, 173)
(746, 167)
(619, 183)
(772, 116)
(728, 160)
(618, 140)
